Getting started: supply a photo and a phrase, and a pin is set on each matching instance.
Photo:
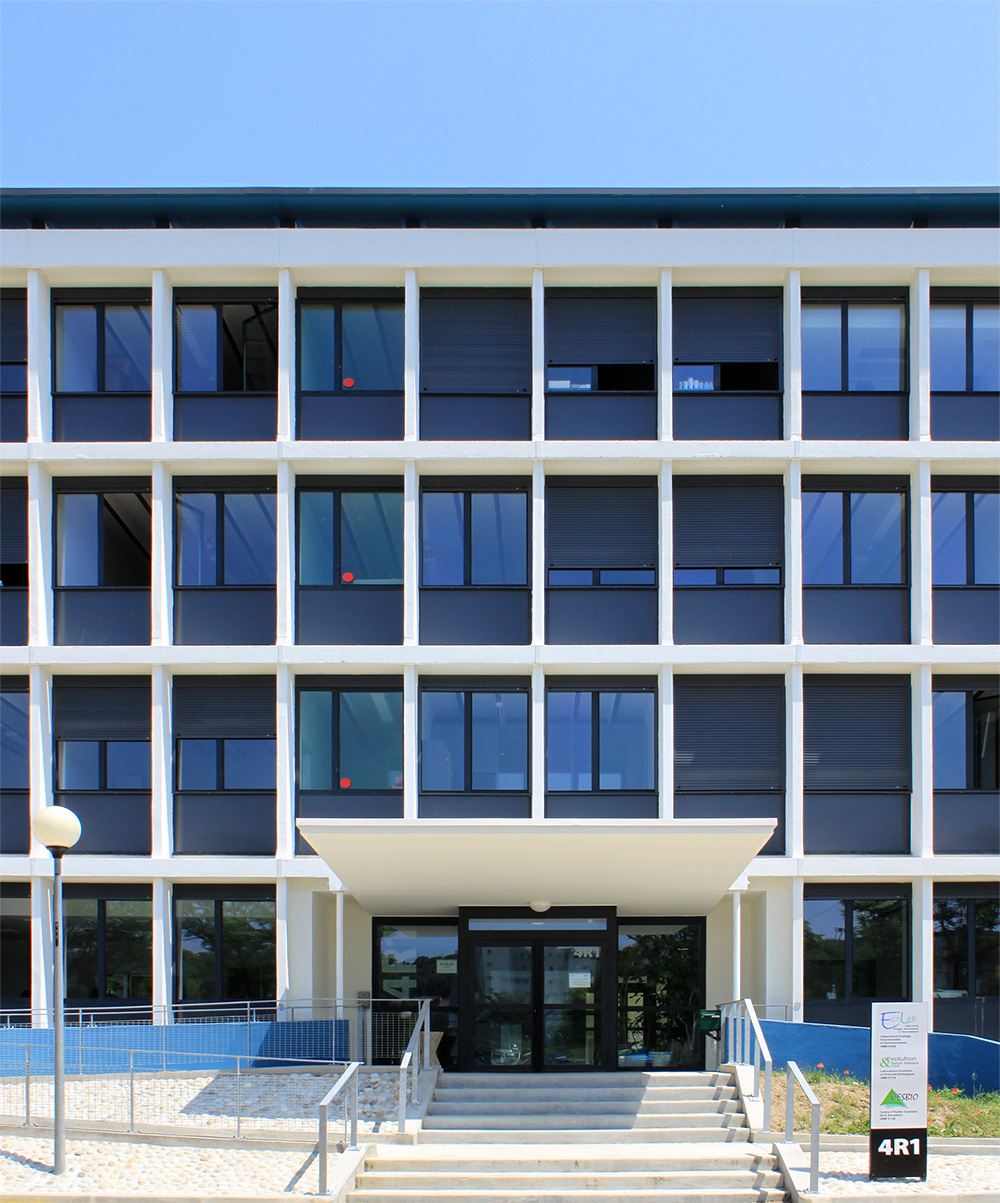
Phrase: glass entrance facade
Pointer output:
(515, 991)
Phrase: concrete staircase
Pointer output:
(563, 1138)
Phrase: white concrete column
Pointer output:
(40, 553)
(794, 761)
(39, 359)
(285, 580)
(922, 797)
(41, 948)
(281, 966)
(797, 932)
(162, 556)
(923, 942)
(285, 753)
(537, 355)
(922, 572)
(665, 575)
(163, 942)
(537, 742)
(665, 355)
(162, 318)
(793, 553)
(338, 973)
(286, 355)
(161, 749)
(736, 896)
(410, 742)
(39, 746)
(411, 359)
(666, 742)
(538, 553)
(411, 556)
(920, 356)
(792, 311)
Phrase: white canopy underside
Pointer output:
(641, 866)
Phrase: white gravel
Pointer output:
(847, 1174)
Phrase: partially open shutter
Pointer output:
(600, 329)
(729, 733)
(233, 708)
(601, 527)
(475, 344)
(728, 526)
(727, 330)
(857, 732)
(13, 523)
(101, 708)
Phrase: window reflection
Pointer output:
(372, 538)
(443, 539)
(821, 338)
(876, 538)
(371, 739)
(499, 538)
(823, 538)
(569, 740)
(948, 348)
(76, 349)
(950, 741)
(14, 740)
(948, 533)
(875, 341)
(986, 348)
(373, 347)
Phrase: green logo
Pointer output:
(892, 1099)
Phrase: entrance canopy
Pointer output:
(642, 866)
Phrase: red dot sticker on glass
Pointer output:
(345, 783)
(348, 382)
(347, 577)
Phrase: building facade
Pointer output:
(576, 608)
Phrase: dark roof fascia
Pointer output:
(93, 208)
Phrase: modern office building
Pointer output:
(577, 608)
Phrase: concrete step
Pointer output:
(410, 1194)
(554, 1093)
(558, 1156)
(625, 1079)
(571, 1118)
(589, 1135)
(579, 1180)
(584, 1105)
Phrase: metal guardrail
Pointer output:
(350, 1075)
(410, 1061)
(795, 1076)
(743, 1043)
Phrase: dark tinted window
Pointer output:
(228, 347)
(474, 538)
(350, 739)
(369, 550)
(103, 539)
(103, 348)
(625, 744)
(853, 538)
(14, 740)
(247, 533)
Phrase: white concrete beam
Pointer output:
(921, 571)
(163, 961)
(538, 553)
(411, 556)
(41, 949)
(161, 556)
(666, 742)
(410, 743)
(793, 553)
(538, 742)
(285, 531)
(281, 940)
(665, 576)
(796, 936)
(923, 941)
(922, 796)
(161, 750)
(794, 761)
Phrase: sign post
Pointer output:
(897, 1140)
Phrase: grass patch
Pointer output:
(844, 1108)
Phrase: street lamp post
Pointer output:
(58, 829)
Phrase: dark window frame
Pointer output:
(338, 488)
(970, 898)
(950, 299)
(99, 301)
(971, 761)
(599, 294)
(218, 895)
(220, 490)
(467, 687)
(846, 487)
(102, 766)
(866, 892)
(845, 298)
(487, 486)
(307, 297)
(969, 487)
(220, 764)
(264, 300)
(89, 486)
(102, 895)
(595, 688)
(16, 294)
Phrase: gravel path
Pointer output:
(847, 1174)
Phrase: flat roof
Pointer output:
(490, 208)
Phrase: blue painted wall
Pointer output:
(968, 1062)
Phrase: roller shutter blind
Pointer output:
(728, 526)
(14, 524)
(101, 708)
(727, 330)
(857, 733)
(601, 527)
(475, 345)
(243, 707)
(600, 330)
(14, 329)
(729, 733)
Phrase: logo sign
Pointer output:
(897, 1145)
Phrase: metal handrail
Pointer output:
(795, 1075)
(410, 1063)
(742, 1030)
(350, 1074)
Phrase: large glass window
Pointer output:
(351, 538)
(966, 537)
(965, 348)
(473, 538)
(103, 764)
(659, 993)
(853, 346)
(417, 960)
(14, 739)
(856, 948)
(226, 764)
(103, 539)
(15, 945)
(103, 348)
(966, 748)
(475, 739)
(854, 538)
(109, 946)
(350, 740)
(225, 947)
(601, 740)
(350, 347)
(227, 347)
(225, 538)
(966, 946)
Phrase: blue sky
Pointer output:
(531, 93)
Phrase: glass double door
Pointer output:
(534, 1003)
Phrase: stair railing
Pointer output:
(795, 1076)
(418, 1049)
(743, 1043)
(350, 1075)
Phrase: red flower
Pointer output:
(955, 1090)
(819, 1065)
